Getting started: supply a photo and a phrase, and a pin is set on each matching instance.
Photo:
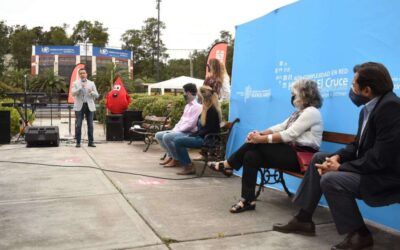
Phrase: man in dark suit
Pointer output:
(367, 169)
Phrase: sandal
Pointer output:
(220, 167)
(242, 206)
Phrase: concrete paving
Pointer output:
(108, 197)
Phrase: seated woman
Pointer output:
(276, 146)
(208, 123)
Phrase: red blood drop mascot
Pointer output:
(118, 100)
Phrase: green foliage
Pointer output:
(225, 110)
(158, 105)
(144, 44)
(199, 61)
(16, 78)
(177, 67)
(93, 33)
(177, 110)
(4, 88)
(4, 43)
(14, 116)
(101, 112)
(48, 82)
(138, 104)
(21, 40)
(57, 35)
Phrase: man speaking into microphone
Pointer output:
(84, 92)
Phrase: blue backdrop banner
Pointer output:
(317, 39)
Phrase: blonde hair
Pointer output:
(217, 70)
(209, 99)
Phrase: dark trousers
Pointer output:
(253, 156)
(340, 189)
(79, 115)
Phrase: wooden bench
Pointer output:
(214, 147)
(273, 176)
(149, 127)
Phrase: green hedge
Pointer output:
(157, 105)
(101, 112)
(15, 118)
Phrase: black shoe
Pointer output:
(78, 145)
(91, 145)
(242, 206)
(354, 241)
(220, 167)
(295, 226)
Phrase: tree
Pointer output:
(144, 45)
(177, 67)
(199, 61)
(4, 44)
(48, 82)
(132, 40)
(16, 78)
(21, 41)
(86, 31)
(57, 36)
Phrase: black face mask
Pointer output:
(358, 100)
(292, 100)
(185, 97)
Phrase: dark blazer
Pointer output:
(378, 157)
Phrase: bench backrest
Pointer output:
(340, 138)
(304, 158)
(155, 122)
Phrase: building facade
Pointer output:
(62, 59)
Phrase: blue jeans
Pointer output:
(166, 140)
(181, 145)
(79, 115)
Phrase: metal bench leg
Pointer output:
(290, 194)
(261, 186)
(204, 167)
(164, 156)
(131, 140)
(148, 142)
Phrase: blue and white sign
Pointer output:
(117, 53)
(56, 50)
(317, 39)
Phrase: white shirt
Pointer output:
(225, 89)
(305, 131)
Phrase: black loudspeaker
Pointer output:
(131, 116)
(115, 128)
(38, 136)
(5, 127)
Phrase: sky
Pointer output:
(190, 24)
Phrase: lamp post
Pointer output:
(158, 41)
(86, 40)
(191, 64)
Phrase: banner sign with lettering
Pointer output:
(316, 39)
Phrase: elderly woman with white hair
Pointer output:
(276, 146)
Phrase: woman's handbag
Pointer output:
(304, 158)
